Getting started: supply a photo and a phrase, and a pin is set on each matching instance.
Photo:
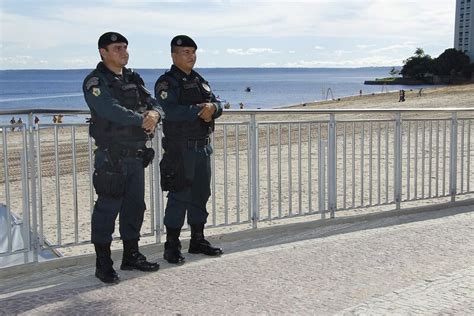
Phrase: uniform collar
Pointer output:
(182, 74)
(103, 68)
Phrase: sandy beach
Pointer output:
(73, 214)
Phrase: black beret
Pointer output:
(183, 41)
(110, 38)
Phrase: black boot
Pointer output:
(104, 269)
(200, 245)
(133, 259)
(172, 252)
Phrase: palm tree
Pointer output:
(419, 52)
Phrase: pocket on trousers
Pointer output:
(109, 183)
(172, 172)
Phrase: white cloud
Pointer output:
(79, 62)
(71, 30)
(395, 47)
(208, 51)
(364, 46)
(250, 51)
(350, 63)
(19, 60)
(268, 65)
(340, 52)
(233, 18)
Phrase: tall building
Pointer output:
(464, 28)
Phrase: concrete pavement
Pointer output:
(417, 263)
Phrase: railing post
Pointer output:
(397, 177)
(332, 197)
(254, 176)
(25, 189)
(322, 177)
(453, 151)
(34, 209)
(157, 193)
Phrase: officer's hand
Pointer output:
(207, 110)
(150, 120)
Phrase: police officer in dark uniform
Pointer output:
(190, 108)
(123, 118)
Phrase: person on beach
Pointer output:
(190, 108)
(402, 96)
(13, 122)
(123, 119)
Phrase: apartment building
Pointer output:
(464, 28)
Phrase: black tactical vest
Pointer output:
(193, 89)
(129, 94)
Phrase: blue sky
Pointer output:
(62, 34)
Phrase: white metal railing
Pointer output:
(265, 167)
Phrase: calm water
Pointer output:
(270, 87)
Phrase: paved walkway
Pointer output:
(421, 263)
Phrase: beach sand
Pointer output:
(297, 193)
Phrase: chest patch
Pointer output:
(206, 87)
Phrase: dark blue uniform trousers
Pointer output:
(131, 206)
(193, 199)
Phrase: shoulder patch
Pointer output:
(96, 91)
(162, 85)
(92, 82)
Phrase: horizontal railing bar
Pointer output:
(44, 111)
(21, 251)
(266, 111)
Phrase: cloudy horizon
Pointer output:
(55, 34)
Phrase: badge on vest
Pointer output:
(96, 91)
(206, 87)
(163, 95)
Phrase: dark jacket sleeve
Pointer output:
(218, 105)
(155, 105)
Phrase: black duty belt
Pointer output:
(131, 152)
(198, 143)
(186, 143)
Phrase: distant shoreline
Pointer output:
(396, 81)
(205, 68)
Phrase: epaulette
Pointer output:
(92, 82)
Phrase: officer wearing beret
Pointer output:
(123, 118)
(190, 108)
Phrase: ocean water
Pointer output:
(270, 87)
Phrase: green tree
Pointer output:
(417, 66)
(451, 61)
(468, 70)
(419, 52)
